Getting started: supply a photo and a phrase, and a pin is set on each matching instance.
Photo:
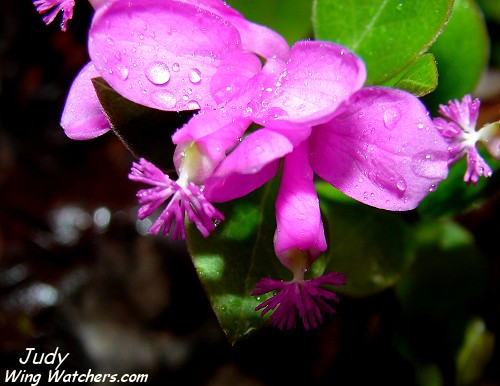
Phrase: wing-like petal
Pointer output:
(383, 150)
(83, 117)
(161, 54)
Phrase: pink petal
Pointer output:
(161, 54)
(298, 216)
(383, 150)
(254, 162)
(215, 132)
(83, 117)
(232, 77)
(317, 78)
(255, 38)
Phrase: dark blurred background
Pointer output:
(78, 273)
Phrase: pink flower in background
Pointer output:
(50, 8)
(460, 132)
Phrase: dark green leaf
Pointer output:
(145, 132)
(387, 34)
(373, 247)
(461, 52)
(440, 292)
(420, 77)
(475, 353)
(447, 273)
(292, 19)
(235, 257)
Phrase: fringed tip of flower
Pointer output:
(476, 167)
(185, 201)
(49, 10)
(306, 300)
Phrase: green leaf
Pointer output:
(440, 292)
(291, 19)
(420, 77)
(475, 353)
(235, 257)
(387, 34)
(448, 274)
(146, 132)
(373, 247)
(461, 52)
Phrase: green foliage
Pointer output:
(235, 257)
(388, 34)
(290, 19)
(461, 52)
(420, 77)
(373, 247)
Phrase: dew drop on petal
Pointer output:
(193, 105)
(157, 73)
(123, 71)
(164, 99)
(194, 76)
(176, 67)
(391, 117)
(430, 165)
(401, 184)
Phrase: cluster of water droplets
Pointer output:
(158, 73)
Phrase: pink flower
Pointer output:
(379, 147)
(50, 8)
(460, 132)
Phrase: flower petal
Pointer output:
(298, 216)
(383, 150)
(161, 54)
(215, 132)
(317, 78)
(254, 162)
(255, 38)
(83, 117)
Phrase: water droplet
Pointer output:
(157, 73)
(431, 165)
(176, 67)
(420, 125)
(194, 76)
(401, 184)
(164, 99)
(193, 105)
(123, 71)
(391, 117)
(432, 188)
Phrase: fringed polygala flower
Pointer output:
(462, 136)
(50, 8)
(378, 147)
